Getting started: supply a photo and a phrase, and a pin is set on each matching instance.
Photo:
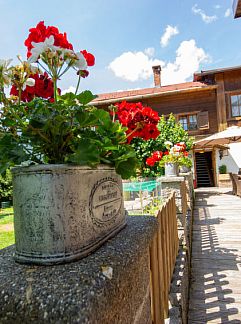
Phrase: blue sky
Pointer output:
(127, 37)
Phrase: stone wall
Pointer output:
(112, 285)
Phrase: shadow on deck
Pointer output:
(215, 295)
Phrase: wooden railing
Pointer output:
(163, 253)
(184, 195)
(236, 182)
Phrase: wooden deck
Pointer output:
(215, 295)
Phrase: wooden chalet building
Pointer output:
(207, 105)
(237, 8)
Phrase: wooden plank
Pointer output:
(215, 294)
(221, 102)
(165, 263)
(172, 235)
(156, 300)
(175, 225)
(167, 246)
(161, 271)
(170, 242)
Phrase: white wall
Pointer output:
(232, 160)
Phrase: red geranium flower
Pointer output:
(83, 73)
(150, 161)
(41, 32)
(182, 146)
(90, 59)
(155, 157)
(141, 121)
(43, 88)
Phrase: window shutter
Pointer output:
(203, 120)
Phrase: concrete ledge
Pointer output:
(79, 292)
(171, 179)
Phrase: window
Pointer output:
(236, 105)
(189, 122)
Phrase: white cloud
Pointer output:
(150, 51)
(217, 6)
(133, 66)
(227, 13)
(207, 19)
(170, 31)
(70, 89)
(188, 60)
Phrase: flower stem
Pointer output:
(19, 95)
(133, 131)
(37, 131)
(65, 70)
(44, 68)
(55, 89)
(77, 87)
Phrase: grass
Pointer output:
(6, 236)
(6, 216)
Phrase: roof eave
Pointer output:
(152, 95)
(198, 75)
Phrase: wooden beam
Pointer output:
(214, 164)
(221, 103)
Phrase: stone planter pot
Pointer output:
(184, 169)
(62, 212)
(171, 169)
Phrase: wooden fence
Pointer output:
(184, 198)
(163, 253)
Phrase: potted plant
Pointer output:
(224, 179)
(67, 187)
(222, 169)
(166, 129)
(185, 164)
(174, 156)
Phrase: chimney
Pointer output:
(157, 75)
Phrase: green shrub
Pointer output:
(170, 130)
(6, 188)
(222, 169)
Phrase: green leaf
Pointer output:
(85, 97)
(86, 118)
(127, 168)
(11, 152)
(86, 153)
